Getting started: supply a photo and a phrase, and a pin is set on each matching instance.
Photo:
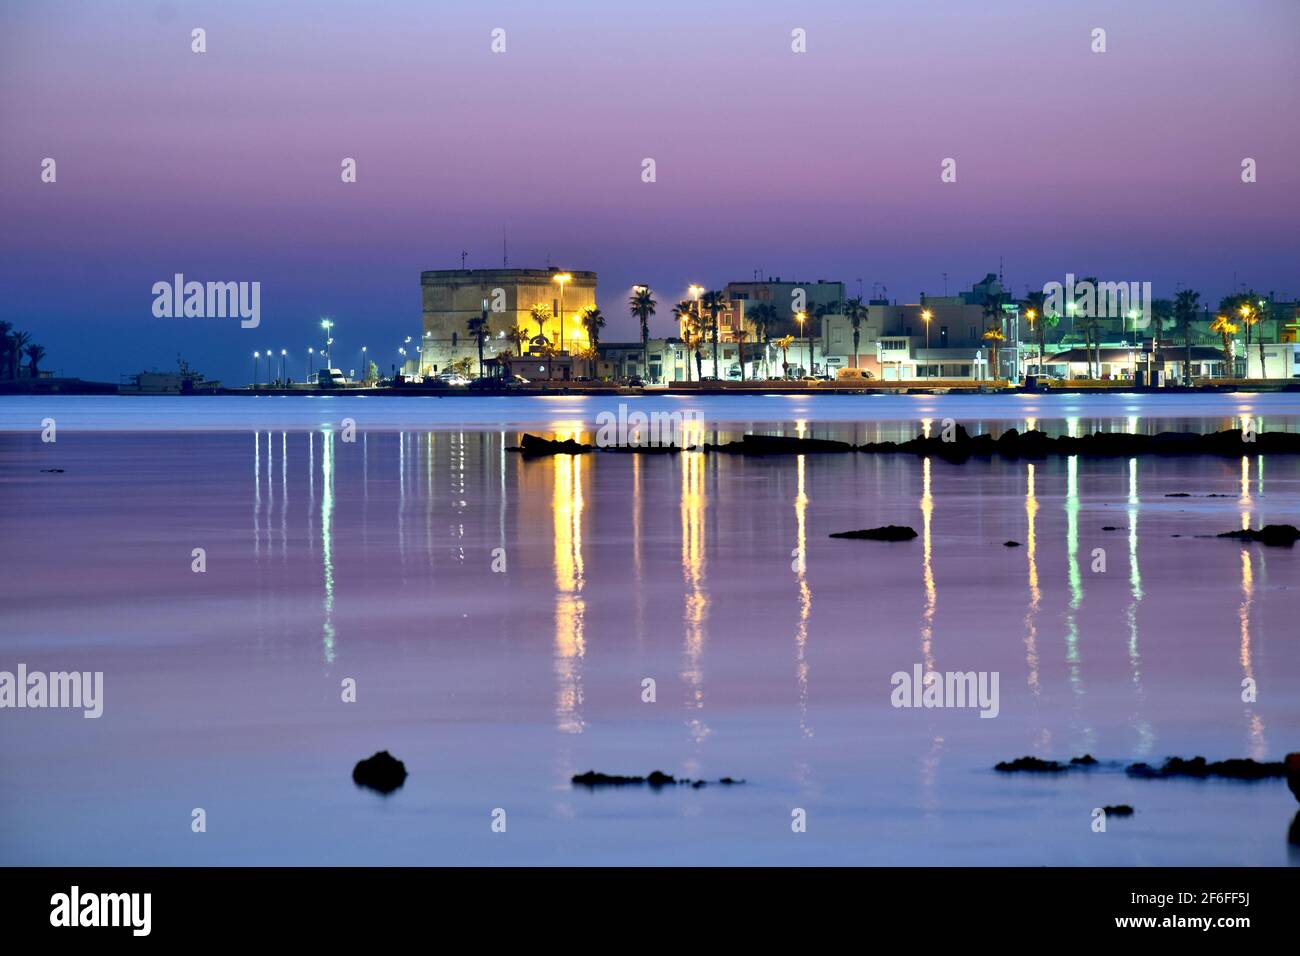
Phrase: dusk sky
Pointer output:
(226, 165)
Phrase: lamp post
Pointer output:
(365, 365)
(256, 356)
(310, 365)
(1030, 314)
(326, 324)
(926, 316)
(284, 366)
(802, 317)
(561, 278)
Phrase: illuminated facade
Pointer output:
(450, 298)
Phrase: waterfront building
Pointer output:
(451, 297)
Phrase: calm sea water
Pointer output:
(374, 560)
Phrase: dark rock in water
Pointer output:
(1109, 527)
(1292, 764)
(1034, 444)
(1118, 810)
(533, 446)
(728, 781)
(1010, 544)
(890, 532)
(591, 779)
(51, 471)
(1087, 760)
(780, 445)
(1030, 765)
(1178, 494)
(1199, 768)
(1275, 535)
(382, 772)
(1293, 834)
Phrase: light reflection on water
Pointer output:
(711, 571)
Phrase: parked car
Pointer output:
(487, 384)
(450, 378)
(636, 382)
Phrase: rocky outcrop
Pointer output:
(382, 772)
(890, 532)
(1274, 535)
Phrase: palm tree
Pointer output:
(518, 335)
(593, 321)
(541, 314)
(856, 313)
(763, 317)
(1263, 310)
(643, 304)
(34, 355)
(993, 334)
(478, 328)
(742, 333)
(714, 302)
(5, 329)
(684, 313)
(1226, 329)
(1184, 315)
(18, 342)
(696, 334)
(784, 343)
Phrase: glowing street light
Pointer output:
(256, 356)
(802, 317)
(326, 324)
(284, 365)
(561, 278)
(1031, 315)
(926, 316)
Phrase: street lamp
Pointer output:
(284, 365)
(326, 324)
(256, 356)
(365, 365)
(1030, 314)
(310, 354)
(802, 316)
(926, 316)
(561, 278)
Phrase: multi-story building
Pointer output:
(817, 297)
(451, 297)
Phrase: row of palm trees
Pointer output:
(13, 346)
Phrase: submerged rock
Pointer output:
(1200, 768)
(1030, 765)
(533, 446)
(1035, 444)
(1292, 764)
(382, 772)
(890, 532)
(1118, 810)
(1275, 535)
(1039, 765)
(657, 778)
(1010, 544)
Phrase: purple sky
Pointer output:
(225, 166)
